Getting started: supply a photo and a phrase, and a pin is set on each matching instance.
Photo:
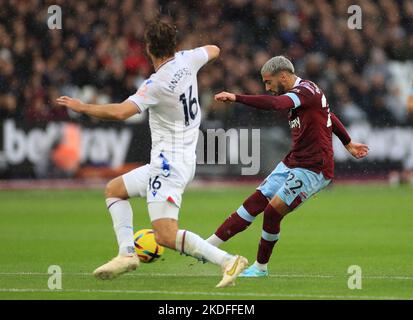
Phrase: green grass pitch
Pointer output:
(368, 226)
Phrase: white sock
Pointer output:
(192, 244)
(215, 240)
(260, 266)
(122, 217)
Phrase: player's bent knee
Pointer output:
(165, 230)
(165, 239)
(108, 190)
(115, 188)
(255, 203)
(278, 204)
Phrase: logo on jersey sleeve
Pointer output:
(142, 92)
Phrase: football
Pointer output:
(146, 247)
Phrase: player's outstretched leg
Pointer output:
(122, 216)
(240, 219)
(273, 214)
(165, 224)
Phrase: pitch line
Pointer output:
(316, 276)
(203, 293)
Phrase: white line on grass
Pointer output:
(317, 276)
(203, 293)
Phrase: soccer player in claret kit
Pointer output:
(171, 96)
(305, 170)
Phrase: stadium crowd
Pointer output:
(99, 55)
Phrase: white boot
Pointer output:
(116, 267)
(231, 270)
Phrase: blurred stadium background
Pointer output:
(98, 56)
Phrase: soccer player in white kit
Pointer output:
(171, 97)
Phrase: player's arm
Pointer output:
(200, 56)
(113, 111)
(339, 130)
(212, 51)
(264, 102)
(357, 150)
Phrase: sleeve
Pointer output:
(339, 130)
(301, 95)
(296, 97)
(145, 96)
(197, 57)
(265, 102)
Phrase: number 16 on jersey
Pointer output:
(189, 113)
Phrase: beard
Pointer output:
(280, 89)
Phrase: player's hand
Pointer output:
(357, 150)
(74, 104)
(225, 97)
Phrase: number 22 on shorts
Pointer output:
(298, 183)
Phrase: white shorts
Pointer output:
(160, 181)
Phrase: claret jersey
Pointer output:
(311, 129)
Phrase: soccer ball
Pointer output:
(146, 247)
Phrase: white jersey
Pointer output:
(171, 95)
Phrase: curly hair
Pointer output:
(161, 39)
